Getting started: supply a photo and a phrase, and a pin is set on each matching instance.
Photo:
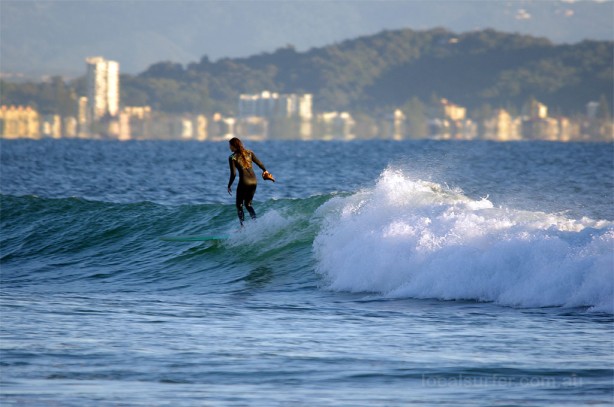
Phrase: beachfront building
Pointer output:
(19, 122)
(98, 112)
(546, 129)
(270, 105)
(569, 130)
(69, 127)
(391, 126)
(451, 122)
(253, 128)
(536, 125)
(222, 127)
(501, 126)
(102, 86)
(452, 111)
(335, 126)
(536, 110)
(83, 129)
(161, 126)
(598, 124)
(51, 126)
(135, 122)
(287, 116)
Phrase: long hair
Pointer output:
(244, 158)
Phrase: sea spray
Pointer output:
(411, 238)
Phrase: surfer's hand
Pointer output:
(229, 191)
(267, 176)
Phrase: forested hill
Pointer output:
(390, 68)
(387, 70)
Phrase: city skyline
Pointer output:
(270, 115)
(317, 94)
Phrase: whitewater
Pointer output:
(417, 239)
(377, 273)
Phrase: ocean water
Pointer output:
(377, 274)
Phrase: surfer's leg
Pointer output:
(251, 210)
(239, 203)
(241, 214)
(249, 195)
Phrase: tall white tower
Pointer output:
(102, 88)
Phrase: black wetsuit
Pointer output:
(247, 184)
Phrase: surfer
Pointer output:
(241, 160)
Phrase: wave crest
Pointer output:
(412, 238)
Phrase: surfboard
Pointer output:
(194, 238)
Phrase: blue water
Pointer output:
(377, 274)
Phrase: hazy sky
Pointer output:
(54, 37)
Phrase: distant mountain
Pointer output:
(51, 37)
(391, 68)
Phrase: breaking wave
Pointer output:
(411, 238)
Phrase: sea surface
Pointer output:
(377, 273)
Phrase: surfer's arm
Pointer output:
(258, 162)
(265, 173)
(233, 174)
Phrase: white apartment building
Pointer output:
(270, 104)
(102, 80)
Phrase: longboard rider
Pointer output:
(241, 160)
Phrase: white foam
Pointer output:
(264, 227)
(411, 238)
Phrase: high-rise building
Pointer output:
(102, 88)
(274, 105)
